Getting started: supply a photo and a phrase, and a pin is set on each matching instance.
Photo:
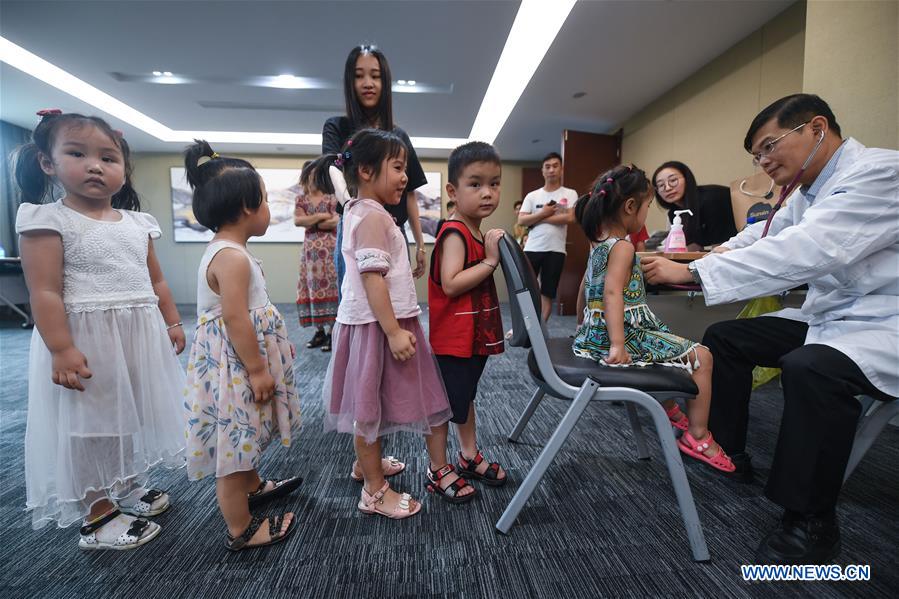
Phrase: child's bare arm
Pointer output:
(401, 341)
(581, 298)
(455, 279)
(618, 273)
(229, 272)
(166, 301)
(42, 262)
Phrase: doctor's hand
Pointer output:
(661, 271)
(720, 249)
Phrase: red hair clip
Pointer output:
(49, 112)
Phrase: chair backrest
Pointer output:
(519, 276)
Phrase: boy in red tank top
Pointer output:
(465, 323)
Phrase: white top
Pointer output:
(842, 238)
(104, 262)
(208, 299)
(373, 243)
(547, 237)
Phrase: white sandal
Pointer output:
(151, 503)
(390, 466)
(139, 532)
(370, 504)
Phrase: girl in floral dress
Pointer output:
(240, 386)
(618, 328)
(317, 286)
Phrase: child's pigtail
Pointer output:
(195, 157)
(126, 198)
(33, 183)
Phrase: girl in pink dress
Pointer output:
(382, 376)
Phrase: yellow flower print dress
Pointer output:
(227, 430)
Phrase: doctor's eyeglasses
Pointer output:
(769, 146)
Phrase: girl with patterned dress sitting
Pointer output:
(618, 328)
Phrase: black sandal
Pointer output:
(468, 469)
(282, 487)
(317, 339)
(451, 492)
(274, 524)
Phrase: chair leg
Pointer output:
(639, 437)
(580, 402)
(870, 426)
(680, 483)
(526, 415)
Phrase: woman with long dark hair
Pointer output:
(368, 99)
(712, 221)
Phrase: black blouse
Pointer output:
(716, 217)
(337, 131)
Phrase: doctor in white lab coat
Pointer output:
(838, 233)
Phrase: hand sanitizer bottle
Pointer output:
(676, 241)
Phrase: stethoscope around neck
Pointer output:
(786, 191)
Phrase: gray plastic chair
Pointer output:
(559, 373)
(875, 416)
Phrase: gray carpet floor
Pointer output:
(601, 524)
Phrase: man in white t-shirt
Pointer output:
(547, 211)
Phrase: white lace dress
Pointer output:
(129, 416)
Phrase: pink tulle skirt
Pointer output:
(369, 393)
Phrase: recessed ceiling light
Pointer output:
(20, 58)
(536, 26)
(401, 82)
(167, 73)
(411, 82)
(577, 95)
(157, 73)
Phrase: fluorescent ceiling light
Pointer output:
(536, 26)
(52, 75)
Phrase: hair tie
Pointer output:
(118, 133)
(349, 143)
(343, 158)
(602, 192)
(205, 159)
(610, 180)
(49, 112)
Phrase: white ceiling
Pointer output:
(623, 54)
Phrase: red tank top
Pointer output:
(469, 324)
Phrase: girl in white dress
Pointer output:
(104, 384)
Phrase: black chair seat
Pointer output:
(649, 379)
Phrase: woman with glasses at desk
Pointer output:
(712, 221)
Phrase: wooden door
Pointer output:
(531, 179)
(584, 157)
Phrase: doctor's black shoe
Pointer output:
(744, 472)
(801, 539)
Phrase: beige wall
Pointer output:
(702, 120)
(852, 61)
(280, 260)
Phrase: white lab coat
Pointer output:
(845, 245)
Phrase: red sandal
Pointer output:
(468, 469)
(693, 448)
(451, 492)
(682, 424)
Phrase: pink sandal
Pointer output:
(390, 466)
(682, 424)
(693, 448)
(370, 504)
